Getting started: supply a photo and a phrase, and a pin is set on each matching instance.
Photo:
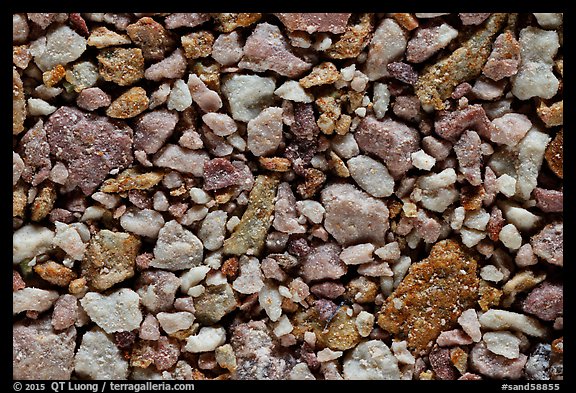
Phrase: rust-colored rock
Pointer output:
(432, 295)
(554, 154)
(226, 22)
(131, 179)
(55, 273)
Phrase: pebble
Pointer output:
(99, 358)
(117, 311)
(371, 360)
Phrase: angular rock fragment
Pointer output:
(208, 100)
(387, 44)
(129, 104)
(227, 48)
(496, 319)
(33, 299)
(157, 289)
(151, 37)
(429, 40)
(109, 259)
(265, 132)
(554, 154)
(123, 66)
(176, 248)
(181, 159)
(250, 234)
(93, 98)
(30, 241)
(173, 66)
(548, 244)
(18, 103)
(101, 37)
(452, 124)
(99, 358)
(467, 151)
(353, 216)
(437, 280)
(227, 22)
(216, 301)
(248, 95)
(117, 311)
(35, 152)
(197, 44)
(495, 366)
(371, 360)
(39, 352)
(504, 59)
(63, 45)
(437, 81)
(267, 49)
(391, 141)
(323, 262)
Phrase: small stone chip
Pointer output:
(18, 103)
(323, 74)
(123, 66)
(448, 267)
(99, 358)
(130, 179)
(176, 248)
(109, 259)
(214, 303)
(554, 154)
(250, 234)
(151, 37)
(115, 312)
(130, 104)
(371, 360)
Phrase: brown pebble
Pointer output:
(128, 105)
(55, 273)
(230, 267)
(123, 66)
(554, 154)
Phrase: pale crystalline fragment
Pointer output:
(213, 230)
(503, 343)
(179, 98)
(345, 145)
(312, 210)
(510, 237)
(495, 319)
(68, 239)
(364, 323)
(506, 185)
(114, 312)
(426, 15)
(371, 360)
(193, 277)
(381, 99)
(428, 40)
(39, 107)
(265, 131)
(421, 160)
(371, 175)
(357, 254)
(227, 48)
(99, 358)
(250, 279)
(271, 301)
(142, 222)
(530, 155)
(29, 241)
(477, 219)
(523, 219)
(292, 91)
(177, 248)
(33, 299)
(491, 273)
(171, 322)
(283, 326)
(470, 324)
(471, 237)
(548, 20)
(199, 196)
(438, 189)
(248, 95)
(389, 252)
(208, 100)
(535, 77)
(510, 128)
(388, 44)
(220, 123)
(181, 159)
(301, 372)
(327, 354)
(63, 45)
(400, 349)
(208, 339)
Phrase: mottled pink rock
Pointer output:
(470, 377)
(437, 148)
(391, 141)
(428, 40)
(495, 224)
(216, 145)
(504, 59)
(265, 132)
(65, 312)
(451, 338)
(39, 352)
(93, 98)
(549, 201)
(510, 128)
(549, 242)
(388, 44)
(461, 90)
(180, 19)
(35, 153)
(488, 90)
(152, 129)
(403, 72)
(257, 354)
(227, 48)
(62, 215)
(172, 67)
(150, 328)
(220, 123)
(220, 173)
(472, 18)
(17, 281)
(208, 100)
(491, 187)
(442, 364)
(157, 289)
(267, 49)
(546, 301)
(328, 289)
(427, 226)
(407, 108)
(451, 125)
(323, 263)
(495, 366)
(315, 22)
(272, 270)
(181, 159)
(352, 216)
(90, 146)
(45, 19)
(285, 217)
(79, 24)
(469, 156)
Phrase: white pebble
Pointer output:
(503, 343)
(491, 273)
(421, 160)
(171, 322)
(510, 237)
(180, 97)
(38, 107)
(283, 326)
(506, 185)
(207, 339)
